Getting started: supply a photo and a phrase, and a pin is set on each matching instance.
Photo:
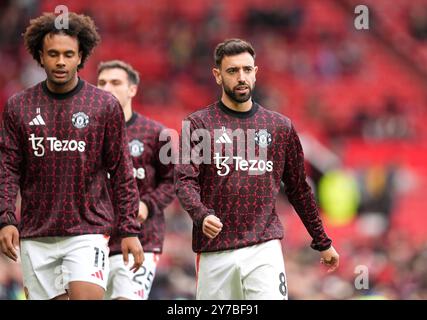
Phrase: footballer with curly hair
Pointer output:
(58, 141)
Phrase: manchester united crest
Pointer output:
(80, 120)
(136, 148)
(263, 138)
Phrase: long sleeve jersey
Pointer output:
(154, 180)
(240, 186)
(58, 148)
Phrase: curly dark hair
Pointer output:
(80, 26)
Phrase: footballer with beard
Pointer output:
(231, 199)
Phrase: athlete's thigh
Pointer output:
(121, 284)
(86, 260)
(144, 277)
(218, 276)
(264, 272)
(125, 284)
(41, 269)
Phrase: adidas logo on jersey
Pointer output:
(140, 293)
(98, 274)
(37, 121)
(224, 138)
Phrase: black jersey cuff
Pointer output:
(321, 247)
(9, 221)
(128, 235)
(2, 225)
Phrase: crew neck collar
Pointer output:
(132, 120)
(238, 114)
(62, 96)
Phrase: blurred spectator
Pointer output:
(378, 191)
(418, 22)
(350, 57)
(282, 17)
(389, 123)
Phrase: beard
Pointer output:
(238, 97)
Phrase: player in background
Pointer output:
(154, 179)
(236, 229)
(58, 139)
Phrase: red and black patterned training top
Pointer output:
(243, 193)
(58, 149)
(154, 179)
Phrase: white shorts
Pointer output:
(251, 273)
(49, 264)
(123, 283)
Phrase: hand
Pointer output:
(9, 241)
(330, 258)
(132, 245)
(212, 226)
(143, 212)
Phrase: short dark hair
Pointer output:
(80, 26)
(231, 47)
(133, 75)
